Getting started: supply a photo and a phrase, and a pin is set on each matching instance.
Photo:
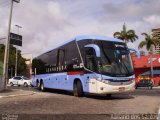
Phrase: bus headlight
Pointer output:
(105, 81)
(101, 80)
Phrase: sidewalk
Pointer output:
(14, 93)
(158, 87)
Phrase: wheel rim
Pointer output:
(42, 87)
(11, 84)
(25, 84)
(38, 84)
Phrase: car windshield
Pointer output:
(25, 78)
(17, 78)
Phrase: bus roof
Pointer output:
(85, 37)
(105, 38)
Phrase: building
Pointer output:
(156, 34)
(142, 53)
(28, 72)
(143, 65)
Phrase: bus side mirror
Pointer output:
(95, 47)
(137, 52)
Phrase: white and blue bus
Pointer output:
(86, 64)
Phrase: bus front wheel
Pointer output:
(78, 89)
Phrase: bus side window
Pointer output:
(60, 59)
(90, 59)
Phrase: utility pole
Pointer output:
(17, 52)
(6, 55)
(151, 63)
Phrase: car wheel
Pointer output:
(78, 89)
(150, 87)
(11, 83)
(25, 84)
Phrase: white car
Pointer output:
(20, 80)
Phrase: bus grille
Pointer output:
(120, 83)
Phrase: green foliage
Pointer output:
(1, 68)
(12, 59)
(39, 65)
(2, 47)
(126, 35)
(149, 41)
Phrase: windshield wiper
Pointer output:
(125, 67)
(105, 54)
(123, 64)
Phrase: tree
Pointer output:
(126, 35)
(39, 65)
(2, 47)
(12, 57)
(149, 42)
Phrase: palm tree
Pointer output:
(149, 42)
(126, 35)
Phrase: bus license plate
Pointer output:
(121, 88)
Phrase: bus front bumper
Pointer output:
(103, 88)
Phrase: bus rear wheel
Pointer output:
(42, 86)
(78, 89)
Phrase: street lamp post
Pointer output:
(17, 51)
(3, 84)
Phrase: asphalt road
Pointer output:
(141, 101)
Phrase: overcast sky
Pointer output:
(49, 23)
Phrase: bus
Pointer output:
(86, 64)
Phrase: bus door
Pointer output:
(91, 65)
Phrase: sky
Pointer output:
(47, 24)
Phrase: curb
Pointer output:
(156, 87)
(8, 96)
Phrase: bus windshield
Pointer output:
(115, 59)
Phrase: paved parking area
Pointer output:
(141, 101)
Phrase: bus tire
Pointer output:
(108, 95)
(78, 89)
(42, 88)
(11, 83)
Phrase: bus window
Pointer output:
(90, 59)
(60, 59)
